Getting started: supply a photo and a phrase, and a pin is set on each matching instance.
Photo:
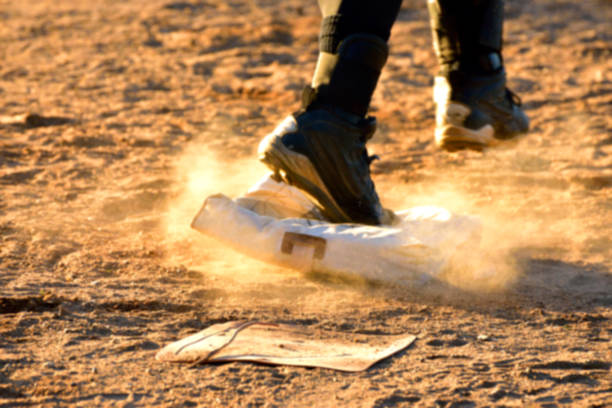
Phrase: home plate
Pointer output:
(283, 344)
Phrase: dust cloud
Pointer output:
(489, 265)
(511, 231)
(200, 173)
(484, 264)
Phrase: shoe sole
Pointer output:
(297, 170)
(453, 138)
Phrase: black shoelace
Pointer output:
(513, 98)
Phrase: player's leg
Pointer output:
(474, 109)
(352, 51)
(321, 148)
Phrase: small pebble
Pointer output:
(60, 311)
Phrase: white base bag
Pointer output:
(277, 223)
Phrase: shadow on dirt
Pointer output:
(27, 304)
(545, 284)
(552, 283)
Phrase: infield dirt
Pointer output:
(119, 118)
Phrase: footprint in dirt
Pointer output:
(27, 304)
(34, 120)
(19, 177)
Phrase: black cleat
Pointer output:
(476, 112)
(323, 153)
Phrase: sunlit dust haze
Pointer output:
(488, 266)
(244, 281)
(200, 173)
(511, 230)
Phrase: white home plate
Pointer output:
(282, 344)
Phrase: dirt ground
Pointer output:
(119, 117)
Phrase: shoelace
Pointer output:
(513, 98)
(372, 158)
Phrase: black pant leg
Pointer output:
(467, 35)
(342, 18)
